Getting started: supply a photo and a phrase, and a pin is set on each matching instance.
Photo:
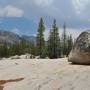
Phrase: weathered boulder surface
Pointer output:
(25, 56)
(80, 54)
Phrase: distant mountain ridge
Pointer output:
(12, 38)
(30, 39)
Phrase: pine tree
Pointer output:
(3, 50)
(70, 43)
(33, 49)
(40, 42)
(24, 47)
(54, 42)
(64, 41)
(15, 49)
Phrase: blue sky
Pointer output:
(22, 16)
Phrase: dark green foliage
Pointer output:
(44, 54)
(67, 42)
(40, 42)
(33, 50)
(3, 50)
(25, 47)
(16, 49)
(19, 48)
(70, 44)
(54, 42)
(64, 41)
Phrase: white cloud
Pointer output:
(46, 34)
(11, 11)
(15, 30)
(75, 32)
(43, 3)
(80, 5)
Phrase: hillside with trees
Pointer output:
(55, 46)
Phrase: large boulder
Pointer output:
(80, 54)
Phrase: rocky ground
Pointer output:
(59, 74)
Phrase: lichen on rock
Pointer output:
(81, 51)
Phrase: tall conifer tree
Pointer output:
(54, 42)
(70, 43)
(40, 42)
(64, 40)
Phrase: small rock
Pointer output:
(15, 57)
